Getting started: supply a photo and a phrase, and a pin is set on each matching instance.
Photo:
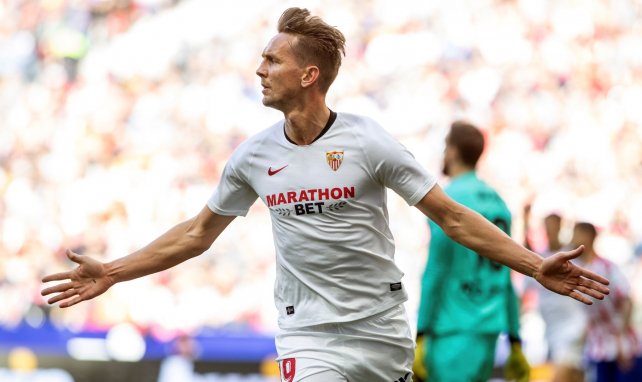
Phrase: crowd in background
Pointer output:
(118, 117)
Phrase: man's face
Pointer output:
(581, 237)
(450, 153)
(280, 72)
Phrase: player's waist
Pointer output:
(322, 313)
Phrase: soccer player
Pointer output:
(565, 321)
(612, 346)
(323, 175)
(467, 300)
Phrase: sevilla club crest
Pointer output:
(334, 159)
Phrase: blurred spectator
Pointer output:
(612, 346)
(23, 367)
(179, 366)
(118, 112)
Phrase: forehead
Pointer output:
(280, 45)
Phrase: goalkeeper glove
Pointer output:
(517, 368)
(419, 371)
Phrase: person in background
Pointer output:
(565, 321)
(467, 300)
(179, 366)
(612, 347)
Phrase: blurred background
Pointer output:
(118, 116)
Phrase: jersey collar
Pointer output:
(333, 117)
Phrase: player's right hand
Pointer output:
(87, 281)
(419, 371)
(517, 367)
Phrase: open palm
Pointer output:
(88, 280)
(560, 275)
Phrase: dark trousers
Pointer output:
(609, 371)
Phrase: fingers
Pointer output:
(57, 277)
(67, 297)
(597, 279)
(57, 289)
(72, 302)
(570, 255)
(62, 296)
(64, 275)
(590, 288)
(76, 258)
(581, 298)
(590, 292)
(70, 292)
(600, 287)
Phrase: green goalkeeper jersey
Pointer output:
(461, 290)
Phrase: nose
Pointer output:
(260, 71)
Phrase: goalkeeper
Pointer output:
(466, 300)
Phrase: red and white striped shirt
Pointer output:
(606, 317)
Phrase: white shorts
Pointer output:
(565, 340)
(378, 348)
(567, 351)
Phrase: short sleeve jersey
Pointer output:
(461, 289)
(327, 202)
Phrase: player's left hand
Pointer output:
(517, 368)
(560, 275)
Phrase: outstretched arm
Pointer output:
(92, 278)
(472, 230)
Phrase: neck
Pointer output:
(304, 123)
(554, 244)
(457, 169)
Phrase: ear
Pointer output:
(310, 76)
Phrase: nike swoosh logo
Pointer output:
(272, 172)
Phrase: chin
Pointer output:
(267, 100)
(272, 104)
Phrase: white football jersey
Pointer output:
(327, 201)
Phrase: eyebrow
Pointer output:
(271, 56)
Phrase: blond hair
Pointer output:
(317, 43)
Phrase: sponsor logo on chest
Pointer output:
(312, 200)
